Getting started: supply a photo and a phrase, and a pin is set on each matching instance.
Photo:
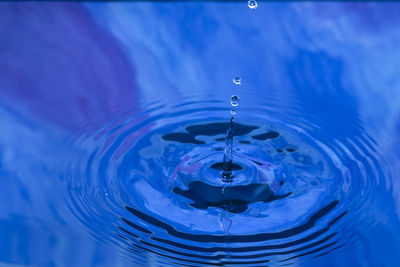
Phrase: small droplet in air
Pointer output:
(237, 81)
(233, 112)
(252, 4)
(235, 100)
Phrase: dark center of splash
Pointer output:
(216, 128)
(234, 199)
(219, 166)
(210, 129)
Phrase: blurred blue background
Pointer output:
(66, 65)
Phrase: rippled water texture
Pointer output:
(113, 125)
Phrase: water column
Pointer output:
(228, 157)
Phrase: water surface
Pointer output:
(113, 129)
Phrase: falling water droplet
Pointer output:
(233, 112)
(237, 81)
(252, 4)
(234, 100)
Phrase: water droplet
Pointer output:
(252, 4)
(237, 81)
(235, 100)
(233, 112)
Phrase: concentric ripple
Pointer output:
(150, 184)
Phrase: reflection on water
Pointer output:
(114, 122)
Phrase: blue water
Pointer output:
(113, 125)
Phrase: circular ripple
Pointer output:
(150, 184)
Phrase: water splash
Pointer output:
(228, 157)
(186, 167)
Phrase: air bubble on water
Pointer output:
(235, 100)
(233, 112)
(252, 4)
(237, 81)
